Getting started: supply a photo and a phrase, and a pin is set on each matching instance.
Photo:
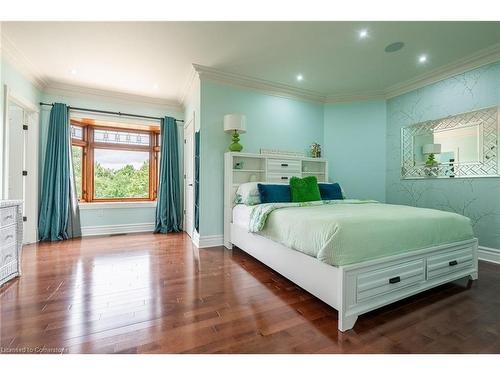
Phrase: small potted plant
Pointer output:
(315, 150)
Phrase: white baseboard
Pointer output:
(211, 241)
(207, 241)
(488, 254)
(195, 238)
(101, 230)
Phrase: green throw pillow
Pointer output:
(304, 189)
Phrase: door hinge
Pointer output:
(25, 218)
(25, 127)
(25, 173)
(184, 141)
(184, 176)
(184, 212)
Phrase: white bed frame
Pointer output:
(353, 289)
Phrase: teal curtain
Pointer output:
(58, 216)
(168, 205)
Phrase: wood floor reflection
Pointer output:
(150, 293)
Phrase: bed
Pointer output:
(356, 256)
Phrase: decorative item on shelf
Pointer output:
(316, 150)
(236, 124)
(431, 149)
(238, 165)
(268, 151)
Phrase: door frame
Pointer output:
(10, 96)
(188, 123)
(32, 161)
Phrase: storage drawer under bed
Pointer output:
(386, 280)
(449, 262)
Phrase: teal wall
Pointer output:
(272, 122)
(477, 198)
(354, 144)
(109, 216)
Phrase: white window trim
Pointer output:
(101, 205)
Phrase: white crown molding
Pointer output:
(18, 60)
(61, 88)
(480, 58)
(355, 97)
(186, 89)
(271, 88)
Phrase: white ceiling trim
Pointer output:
(59, 88)
(483, 57)
(269, 87)
(355, 96)
(476, 60)
(17, 59)
(187, 86)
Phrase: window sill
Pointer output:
(102, 205)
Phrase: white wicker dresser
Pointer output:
(11, 239)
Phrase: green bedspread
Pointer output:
(352, 231)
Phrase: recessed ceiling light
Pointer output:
(300, 77)
(363, 34)
(422, 59)
(393, 47)
(74, 71)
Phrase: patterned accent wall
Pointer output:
(476, 198)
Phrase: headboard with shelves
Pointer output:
(246, 167)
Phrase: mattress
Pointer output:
(241, 215)
(351, 231)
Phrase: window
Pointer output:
(114, 163)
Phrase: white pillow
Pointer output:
(248, 193)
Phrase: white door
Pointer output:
(17, 152)
(23, 166)
(189, 177)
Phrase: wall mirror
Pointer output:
(464, 145)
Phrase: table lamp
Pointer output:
(236, 124)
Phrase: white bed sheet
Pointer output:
(241, 215)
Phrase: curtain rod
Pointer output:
(111, 112)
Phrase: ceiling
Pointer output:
(155, 59)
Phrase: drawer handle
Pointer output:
(9, 217)
(394, 280)
(453, 263)
(9, 236)
(284, 178)
(284, 165)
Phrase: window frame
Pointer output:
(89, 146)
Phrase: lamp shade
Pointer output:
(235, 121)
(431, 148)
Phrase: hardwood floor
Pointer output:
(150, 293)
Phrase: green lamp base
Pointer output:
(235, 146)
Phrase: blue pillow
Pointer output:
(274, 193)
(330, 191)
